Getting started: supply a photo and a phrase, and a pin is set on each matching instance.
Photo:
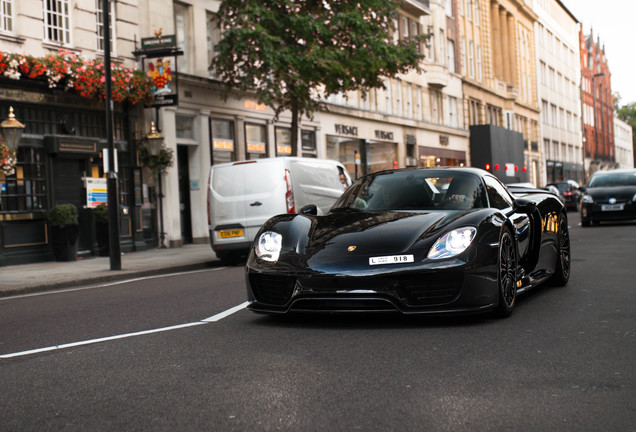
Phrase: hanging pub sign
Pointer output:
(159, 58)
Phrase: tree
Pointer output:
(627, 113)
(293, 53)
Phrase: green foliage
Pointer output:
(101, 214)
(627, 113)
(158, 163)
(63, 214)
(292, 53)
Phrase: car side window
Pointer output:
(497, 194)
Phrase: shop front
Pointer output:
(60, 151)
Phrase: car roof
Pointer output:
(476, 171)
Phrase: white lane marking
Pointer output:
(209, 320)
(228, 312)
(121, 282)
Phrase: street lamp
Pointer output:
(12, 130)
(154, 142)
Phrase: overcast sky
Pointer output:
(612, 21)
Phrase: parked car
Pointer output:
(609, 196)
(395, 241)
(570, 193)
(243, 195)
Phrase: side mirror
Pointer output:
(309, 210)
(583, 189)
(524, 205)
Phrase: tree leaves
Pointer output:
(285, 52)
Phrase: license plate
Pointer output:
(391, 259)
(612, 207)
(230, 233)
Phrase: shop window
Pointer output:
(308, 138)
(57, 21)
(283, 142)
(256, 141)
(222, 141)
(25, 190)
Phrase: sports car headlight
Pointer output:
(634, 198)
(452, 243)
(268, 246)
(587, 199)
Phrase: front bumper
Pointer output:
(453, 287)
(594, 212)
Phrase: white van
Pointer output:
(243, 195)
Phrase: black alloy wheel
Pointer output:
(507, 274)
(562, 269)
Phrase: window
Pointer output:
(497, 194)
(436, 106)
(308, 143)
(463, 48)
(214, 37)
(6, 15)
(185, 127)
(100, 26)
(57, 21)
(448, 6)
(479, 66)
(25, 190)
(182, 30)
(473, 112)
(471, 54)
(256, 141)
(398, 97)
(452, 111)
(283, 142)
(450, 56)
(469, 10)
(222, 141)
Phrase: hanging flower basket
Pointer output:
(8, 159)
(67, 71)
(158, 163)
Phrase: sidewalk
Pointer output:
(20, 279)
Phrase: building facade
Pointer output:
(558, 83)
(497, 62)
(415, 120)
(597, 105)
(65, 132)
(623, 143)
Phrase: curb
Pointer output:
(117, 275)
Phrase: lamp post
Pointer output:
(154, 142)
(12, 130)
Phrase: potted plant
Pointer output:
(101, 228)
(64, 231)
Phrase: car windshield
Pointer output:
(414, 190)
(613, 179)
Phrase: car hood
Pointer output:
(341, 239)
(621, 193)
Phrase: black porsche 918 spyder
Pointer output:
(428, 241)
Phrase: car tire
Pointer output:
(562, 267)
(506, 274)
(585, 222)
